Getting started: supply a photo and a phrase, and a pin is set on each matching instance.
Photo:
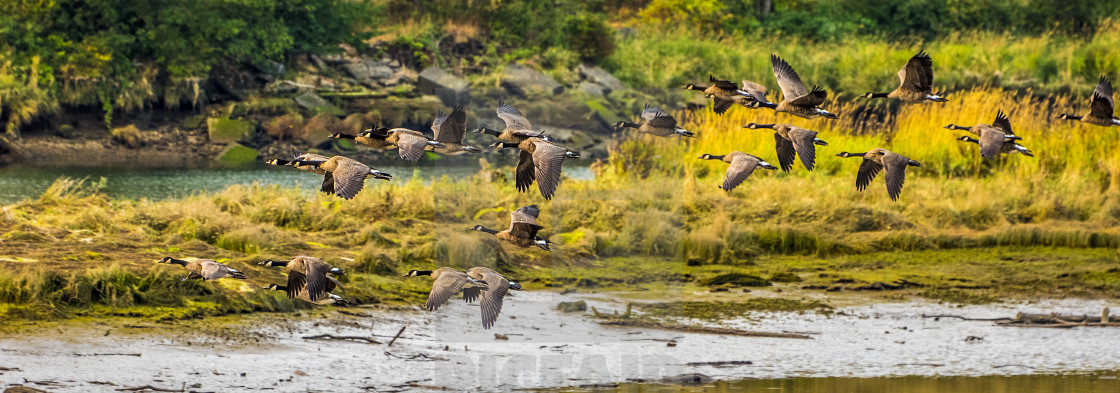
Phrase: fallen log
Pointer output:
(367, 340)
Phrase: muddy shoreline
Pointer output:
(536, 346)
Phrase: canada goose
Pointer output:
(492, 296)
(796, 100)
(993, 136)
(540, 161)
(1102, 106)
(205, 269)
(410, 144)
(790, 141)
(522, 230)
(915, 81)
(344, 176)
(755, 91)
(742, 165)
(446, 282)
(1008, 147)
(373, 137)
(724, 94)
(449, 129)
(656, 122)
(518, 128)
(307, 274)
(301, 163)
(876, 160)
(332, 283)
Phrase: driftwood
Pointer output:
(107, 354)
(939, 316)
(724, 363)
(397, 336)
(699, 329)
(367, 340)
(149, 387)
(1061, 321)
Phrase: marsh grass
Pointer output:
(659, 57)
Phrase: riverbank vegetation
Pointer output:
(116, 56)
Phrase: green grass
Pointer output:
(672, 57)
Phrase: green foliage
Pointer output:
(128, 54)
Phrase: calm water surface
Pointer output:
(23, 182)
(1105, 383)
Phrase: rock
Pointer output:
(592, 88)
(66, 131)
(694, 379)
(368, 70)
(600, 77)
(222, 130)
(450, 89)
(192, 122)
(237, 154)
(525, 81)
(231, 79)
(572, 306)
(313, 102)
(129, 136)
(605, 116)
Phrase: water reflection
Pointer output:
(1101, 383)
(23, 182)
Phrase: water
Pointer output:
(28, 182)
(1107, 383)
(868, 348)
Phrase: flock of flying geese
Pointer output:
(541, 159)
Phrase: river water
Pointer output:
(24, 182)
(884, 348)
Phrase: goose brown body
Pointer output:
(742, 166)
(877, 160)
(791, 141)
(796, 99)
(1101, 107)
(523, 229)
(449, 130)
(915, 81)
(205, 269)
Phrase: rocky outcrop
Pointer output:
(525, 82)
(598, 76)
(450, 89)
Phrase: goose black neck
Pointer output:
(281, 162)
(698, 88)
(423, 272)
(629, 124)
(308, 163)
(487, 230)
(879, 95)
(507, 145)
(770, 126)
(1072, 117)
(278, 263)
(967, 139)
(770, 105)
(346, 136)
(484, 130)
(956, 127)
(713, 157)
(278, 287)
(179, 262)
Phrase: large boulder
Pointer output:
(600, 77)
(231, 79)
(525, 81)
(450, 89)
(369, 70)
(237, 154)
(313, 102)
(224, 130)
